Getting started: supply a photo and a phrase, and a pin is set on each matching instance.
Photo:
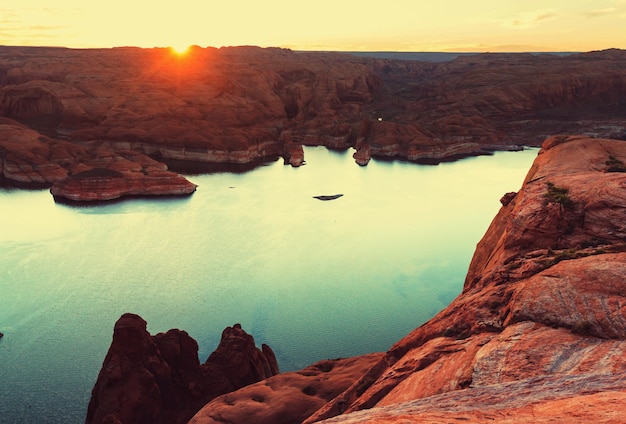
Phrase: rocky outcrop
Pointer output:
(102, 184)
(235, 105)
(560, 399)
(289, 397)
(159, 379)
(86, 172)
(540, 325)
(293, 152)
(538, 333)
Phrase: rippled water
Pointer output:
(313, 279)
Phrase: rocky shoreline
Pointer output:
(65, 111)
(537, 335)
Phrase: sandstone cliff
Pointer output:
(87, 172)
(159, 379)
(233, 105)
(538, 333)
(245, 105)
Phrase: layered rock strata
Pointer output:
(247, 105)
(82, 172)
(159, 379)
(541, 309)
(235, 105)
(538, 333)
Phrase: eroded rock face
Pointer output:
(159, 379)
(289, 397)
(540, 326)
(234, 105)
(102, 184)
(85, 172)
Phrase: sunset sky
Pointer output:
(393, 25)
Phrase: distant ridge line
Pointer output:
(438, 56)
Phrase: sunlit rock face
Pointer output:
(159, 379)
(539, 332)
(539, 326)
(289, 397)
(234, 105)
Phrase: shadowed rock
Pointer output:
(159, 379)
(328, 196)
(289, 397)
(234, 105)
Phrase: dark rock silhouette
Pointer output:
(328, 196)
(159, 379)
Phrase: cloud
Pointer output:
(527, 20)
(600, 12)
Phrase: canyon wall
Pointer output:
(245, 105)
(538, 333)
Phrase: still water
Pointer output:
(313, 279)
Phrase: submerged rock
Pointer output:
(328, 197)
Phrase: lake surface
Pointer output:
(313, 279)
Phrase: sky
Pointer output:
(339, 25)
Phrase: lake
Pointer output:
(313, 279)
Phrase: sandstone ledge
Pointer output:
(82, 172)
(101, 184)
(538, 334)
(540, 311)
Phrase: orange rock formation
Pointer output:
(538, 333)
(242, 105)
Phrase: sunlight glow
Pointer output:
(180, 50)
(401, 25)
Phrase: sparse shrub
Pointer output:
(593, 242)
(558, 195)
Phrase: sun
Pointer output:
(180, 50)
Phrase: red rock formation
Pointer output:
(289, 397)
(538, 334)
(102, 184)
(87, 172)
(232, 105)
(363, 155)
(159, 379)
(293, 153)
(540, 324)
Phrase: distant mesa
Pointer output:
(328, 197)
(131, 110)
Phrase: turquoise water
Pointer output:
(313, 279)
